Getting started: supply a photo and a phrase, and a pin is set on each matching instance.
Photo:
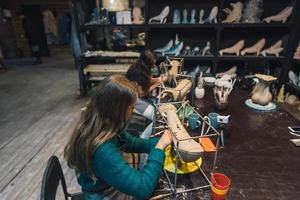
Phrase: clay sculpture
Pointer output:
(222, 89)
(231, 72)
(274, 49)
(193, 17)
(235, 49)
(212, 16)
(261, 94)
(179, 92)
(234, 15)
(253, 11)
(206, 49)
(201, 14)
(184, 16)
(256, 48)
(199, 90)
(297, 53)
(162, 17)
(186, 51)
(291, 99)
(176, 17)
(137, 16)
(293, 78)
(189, 150)
(281, 16)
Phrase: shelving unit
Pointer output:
(293, 63)
(220, 35)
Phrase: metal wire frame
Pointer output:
(174, 189)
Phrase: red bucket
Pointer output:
(219, 186)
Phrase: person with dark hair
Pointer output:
(140, 73)
(94, 149)
(145, 63)
(33, 36)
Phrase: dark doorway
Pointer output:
(34, 27)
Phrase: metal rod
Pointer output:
(168, 179)
(176, 167)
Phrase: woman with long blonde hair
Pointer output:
(95, 148)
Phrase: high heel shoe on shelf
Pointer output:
(162, 17)
(186, 51)
(165, 48)
(175, 50)
(176, 17)
(184, 17)
(193, 17)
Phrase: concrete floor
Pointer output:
(38, 109)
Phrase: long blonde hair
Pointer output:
(104, 118)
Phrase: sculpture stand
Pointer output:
(177, 166)
(259, 108)
(182, 87)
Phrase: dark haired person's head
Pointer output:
(140, 77)
(106, 116)
(147, 60)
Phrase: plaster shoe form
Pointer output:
(189, 150)
(235, 49)
(293, 78)
(280, 17)
(175, 51)
(165, 48)
(213, 15)
(275, 49)
(297, 53)
(186, 51)
(256, 48)
(201, 14)
(231, 72)
(234, 15)
(176, 17)
(206, 49)
(195, 51)
(199, 92)
(162, 17)
(184, 17)
(176, 42)
(193, 15)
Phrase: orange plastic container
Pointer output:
(219, 186)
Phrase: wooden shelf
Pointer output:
(162, 26)
(256, 25)
(96, 59)
(195, 58)
(93, 26)
(269, 58)
(293, 88)
(207, 25)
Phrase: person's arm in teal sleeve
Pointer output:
(109, 166)
(138, 145)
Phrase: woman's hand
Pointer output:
(164, 140)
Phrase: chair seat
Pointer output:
(77, 197)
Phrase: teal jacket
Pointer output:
(112, 170)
